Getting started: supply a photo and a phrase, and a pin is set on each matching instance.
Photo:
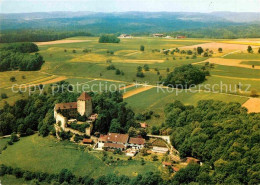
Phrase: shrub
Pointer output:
(249, 49)
(140, 74)
(141, 48)
(253, 93)
(86, 50)
(12, 79)
(146, 67)
(14, 138)
(142, 162)
(200, 50)
(80, 127)
(4, 96)
(118, 72)
(111, 67)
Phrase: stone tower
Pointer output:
(84, 104)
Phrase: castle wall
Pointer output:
(84, 107)
(63, 120)
(88, 108)
(81, 107)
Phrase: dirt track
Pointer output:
(136, 91)
(59, 42)
(253, 105)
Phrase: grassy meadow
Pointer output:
(49, 155)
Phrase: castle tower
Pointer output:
(84, 104)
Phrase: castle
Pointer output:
(65, 111)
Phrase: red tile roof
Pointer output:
(87, 140)
(62, 106)
(102, 138)
(166, 163)
(84, 96)
(191, 159)
(175, 169)
(114, 145)
(143, 125)
(118, 138)
(138, 141)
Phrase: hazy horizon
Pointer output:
(110, 6)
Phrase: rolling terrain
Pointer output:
(65, 60)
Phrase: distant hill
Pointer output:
(211, 25)
(128, 21)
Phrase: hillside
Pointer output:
(227, 24)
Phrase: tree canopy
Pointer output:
(185, 76)
(222, 135)
(17, 57)
(108, 38)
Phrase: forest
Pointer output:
(222, 135)
(17, 57)
(31, 35)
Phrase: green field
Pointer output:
(49, 155)
(89, 69)
(244, 55)
(255, 63)
(155, 99)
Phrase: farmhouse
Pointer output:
(119, 141)
(180, 37)
(125, 36)
(158, 35)
(71, 110)
(87, 141)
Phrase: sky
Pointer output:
(21, 6)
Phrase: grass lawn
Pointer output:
(49, 155)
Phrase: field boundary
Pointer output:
(136, 91)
